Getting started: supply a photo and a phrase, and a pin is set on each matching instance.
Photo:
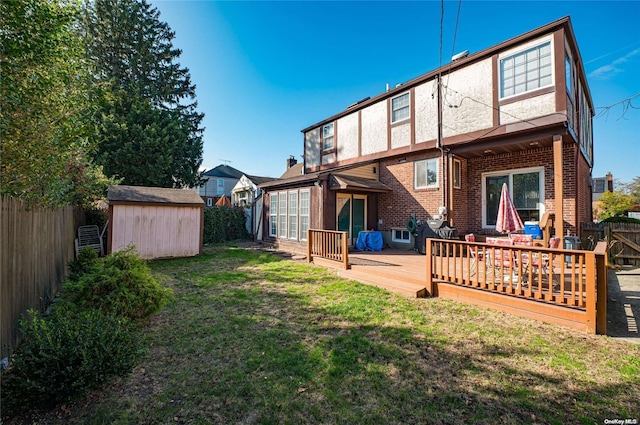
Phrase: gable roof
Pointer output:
(259, 180)
(224, 171)
(155, 195)
(293, 171)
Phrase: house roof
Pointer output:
(293, 171)
(450, 67)
(224, 171)
(297, 179)
(154, 195)
(342, 182)
(259, 180)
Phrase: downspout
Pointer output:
(443, 210)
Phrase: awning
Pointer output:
(360, 184)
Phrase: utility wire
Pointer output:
(626, 104)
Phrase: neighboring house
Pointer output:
(245, 191)
(218, 181)
(442, 145)
(599, 186)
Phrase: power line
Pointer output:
(626, 105)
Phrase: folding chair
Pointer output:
(89, 236)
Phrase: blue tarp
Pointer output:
(369, 241)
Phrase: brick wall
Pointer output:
(395, 208)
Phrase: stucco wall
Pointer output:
(348, 137)
(426, 108)
(460, 114)
(374, 128)
(312, 148)
(400, 135)
(532, 107)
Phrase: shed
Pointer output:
(159, 222)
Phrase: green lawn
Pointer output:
(252, 338)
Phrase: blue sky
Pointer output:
(265, 70)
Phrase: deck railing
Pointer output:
(568, 279)
(328, 244)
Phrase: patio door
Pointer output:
(526, 187)
(351, 214)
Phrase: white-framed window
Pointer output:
(209, 202)
(304, 213)
(526, 70)
(293, 215)
(400, 109)
(282, 214)
(327, 137)
(526, 187)
(426, 173)
(273, 214)
(400, 235)
(457, 174)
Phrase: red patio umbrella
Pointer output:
(508, 219)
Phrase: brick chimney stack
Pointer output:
(291, 161)
(609, 182)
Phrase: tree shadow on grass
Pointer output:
(276, 342)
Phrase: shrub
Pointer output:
(87, 259)
(120, 284)
(621, 219)
(67, 354)
(223, 224)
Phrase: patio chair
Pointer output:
(475, 254)
(89, 236)
(500, 257)
(542, 262)
(521, 239)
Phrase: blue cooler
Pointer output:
(532, 228)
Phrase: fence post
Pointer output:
(590, 264)
(345, 250)
(309, 244)
(602, 287)
(429, 271)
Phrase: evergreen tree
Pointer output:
(148, 128)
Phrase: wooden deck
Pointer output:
(398, 271)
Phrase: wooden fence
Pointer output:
(566, 287)
(623, 240)
(328, 244)
(35, 248)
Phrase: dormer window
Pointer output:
(400, 108)
(327, 137)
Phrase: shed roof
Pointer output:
(156, 195)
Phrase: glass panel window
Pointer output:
(426, 173)
(327, 137)
(457, 174)
(526, 71)
(400, 108)
(400, 235)
(293, 215)
(282, 214)
(304, 214)
(273, 214)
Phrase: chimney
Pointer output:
(291, 161)
(609, 182)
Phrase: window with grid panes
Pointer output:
(526, 71)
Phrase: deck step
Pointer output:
(394, 284)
